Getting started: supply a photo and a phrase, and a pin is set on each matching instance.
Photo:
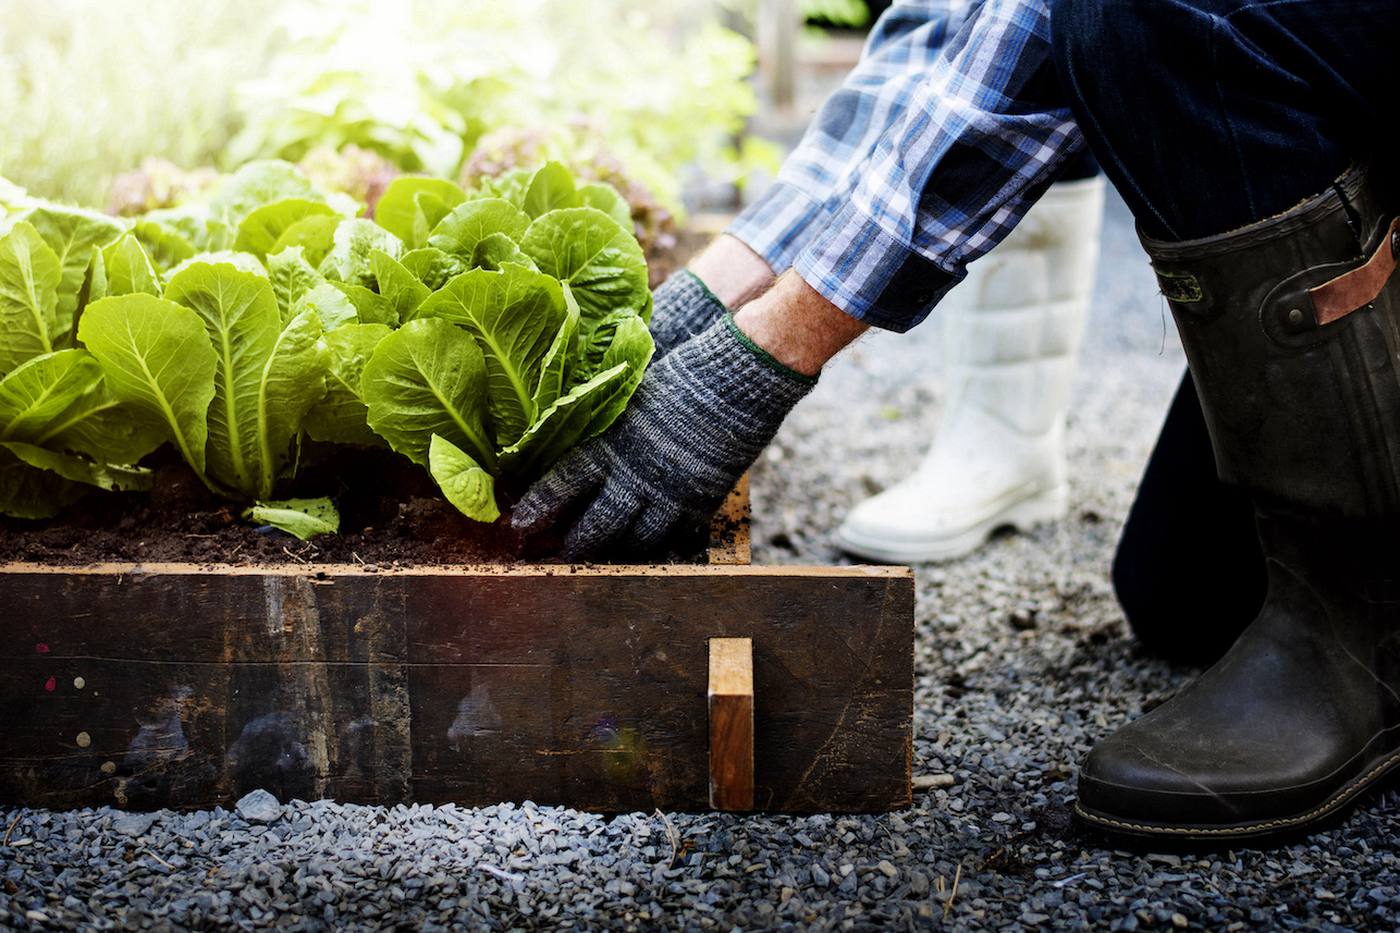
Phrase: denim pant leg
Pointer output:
(1186, 525)
(1210, 114)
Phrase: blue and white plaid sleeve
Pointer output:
(899, 53)
(937, 144)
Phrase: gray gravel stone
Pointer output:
(259, 806)
(133, 824)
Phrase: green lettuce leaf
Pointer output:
(621, 338)
(243, 262)
(315, 235)
(563, 425)
(551, 188)
(340, 416)
(558, 365)
(471, 222)
(156, 356)
(600, 261)
(291, 277)
(112, 478)
(496, 250)
(428, 377)
(606, 199)
(40, 390)
(192, 223)
(74, 235)
(355, 242)
(370, 306)
(255, 185)
(268, 375)
(125, 269)
(331, 306)
(100, 426)
(509, 186)
(32, 493)
(462, 480)
(265, 226)
(304, 518)
(399, 287)
(429, 212)
(400, 212)
(166, 246)
(59, 401)
(514, 315)
(30, 274)
(433, 267)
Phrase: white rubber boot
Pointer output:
(1013, 330)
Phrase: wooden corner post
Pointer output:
(731, 723)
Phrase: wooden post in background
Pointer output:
(731, 723)
(778, 25)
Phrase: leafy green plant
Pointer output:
(536, 344)
(480, 334)
(62, 428)
(660, 83)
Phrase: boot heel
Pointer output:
(879, 544)
(1048, 506)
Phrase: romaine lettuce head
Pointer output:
(482, 334)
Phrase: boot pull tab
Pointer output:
(1352, 290)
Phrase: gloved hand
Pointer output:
(699, 419)
(683, 307)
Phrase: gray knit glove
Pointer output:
(683, 307)
(699, 419)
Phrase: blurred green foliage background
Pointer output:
(647, 88)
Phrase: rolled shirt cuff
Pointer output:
(869, 274)
(778, 224)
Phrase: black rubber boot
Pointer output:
(1292, 332)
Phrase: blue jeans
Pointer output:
(1210, 114)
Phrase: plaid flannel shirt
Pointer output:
(932, 150)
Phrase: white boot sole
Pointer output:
(1041, 508)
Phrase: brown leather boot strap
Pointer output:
(1350, 291)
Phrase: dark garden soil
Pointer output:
(391, 515)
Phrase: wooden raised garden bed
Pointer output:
(170, 685)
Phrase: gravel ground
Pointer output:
(1023, 662)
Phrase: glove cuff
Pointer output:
(733, 376)
(764, 357)
(683, 307)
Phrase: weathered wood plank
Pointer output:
(731, 723)
(586, 688)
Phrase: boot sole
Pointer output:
(1041, 508)
(1333, 809)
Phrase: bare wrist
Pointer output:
(733, 272)
(797, 326)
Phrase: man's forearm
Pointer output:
(797, 326)
(732, 271)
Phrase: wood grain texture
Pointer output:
(731, 723)
(585, 688)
